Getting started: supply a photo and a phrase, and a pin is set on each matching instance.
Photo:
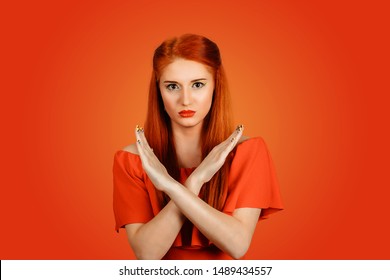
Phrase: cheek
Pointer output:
(169, 104)
(207, 100)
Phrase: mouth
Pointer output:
(187, 113)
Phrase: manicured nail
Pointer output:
(139, 129)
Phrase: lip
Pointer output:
(187, 113)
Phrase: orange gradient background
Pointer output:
(310, 78)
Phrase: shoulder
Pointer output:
(132, 148)
(243, 139)
(127, 159)
(251, 146)
(250, 141)
(251, 154)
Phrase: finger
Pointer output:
(143, 146)
(144, 140)
(140, 145)
(234, 134)
(229, 144)
(145, 155)
(235, 137)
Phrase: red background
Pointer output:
(311, 78)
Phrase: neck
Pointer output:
(187, 145)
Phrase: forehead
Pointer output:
(182, 70)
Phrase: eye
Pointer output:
(172, 87)
(198, 85)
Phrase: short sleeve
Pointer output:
(252, 179)
(130, 199)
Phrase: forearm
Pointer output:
(232, 234)
(225, 231)
(153, 239)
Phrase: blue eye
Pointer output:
(172, 87)
(198, 85)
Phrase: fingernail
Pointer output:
(139, 129)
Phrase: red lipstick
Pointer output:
(187, 113)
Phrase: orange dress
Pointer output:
(252, 183)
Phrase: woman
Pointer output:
(191, 187)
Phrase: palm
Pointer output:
(158, 174)
(155, 170)
(216, 158)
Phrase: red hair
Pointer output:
(217, 125)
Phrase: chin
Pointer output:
(188, 123)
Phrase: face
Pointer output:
(186, 88)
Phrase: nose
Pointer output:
(186, 97)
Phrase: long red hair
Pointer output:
(217, 125)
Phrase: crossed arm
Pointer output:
(231, 234)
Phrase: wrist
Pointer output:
(193, 184)
(170, 186)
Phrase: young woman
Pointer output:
(191, 187)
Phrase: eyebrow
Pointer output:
(196, 80)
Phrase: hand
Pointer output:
(155, 170)
(216, 158)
